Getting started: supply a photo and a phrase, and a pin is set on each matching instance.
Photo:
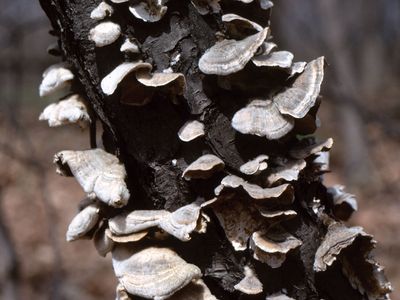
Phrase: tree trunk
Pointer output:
(145, 139)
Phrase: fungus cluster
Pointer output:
(255, 201)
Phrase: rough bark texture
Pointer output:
(145, 140)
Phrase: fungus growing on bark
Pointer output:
(180, 223)
(200, 50)
(129, 46)
(136, 221)
(203, 167)
(101, 11)
(255, 166)
(105, 33)
(280, 59)
(286, 170)
(262, 118)
(230, 56)
(110, 83)
(250, 284)
(73, 109)
(83, 222)
(337, 238)
(162, 79)
(196, 290)
(254, 191)
(149, 10)
(352, 247)
(297, 68)
(344, 204)
(239, 27)
(298, 99)
(238, 219)
(304, 150)
(152, 273)
(276, 216)
(99, 173)
(129, 238)
(55, 78)
(191, 130)
(272, 246)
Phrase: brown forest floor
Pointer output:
(88, 276)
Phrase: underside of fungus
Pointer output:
(208, 182)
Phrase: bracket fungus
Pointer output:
(287, 170)
(129, 238)
(191, 130)
(101, 11)
(352, 248)
(196, 290)
(180, 223)
(129, 46)
(274, 118)
(272, 246)
(303, 150)
(110, 83)
(149, 10)
(239, 27)
(161, 79)
(136, 221)
(266, 196)
(250, 284)
(83, 222)
(283, 192)
(262, 118)
(203, 167)
(55, 78)
(280, 59)
(152, 273)
(297, 68)
(255, 166)
(238, 219)
(73, 109)
(299, 98)
(337, 239)
(105, 33)
(98, 172)
(230, 56)
(344, 204)
(276, 216)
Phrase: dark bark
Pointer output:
(145, 139)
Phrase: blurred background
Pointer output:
(360, 110)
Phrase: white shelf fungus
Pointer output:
(68, 111)
(99, 173)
